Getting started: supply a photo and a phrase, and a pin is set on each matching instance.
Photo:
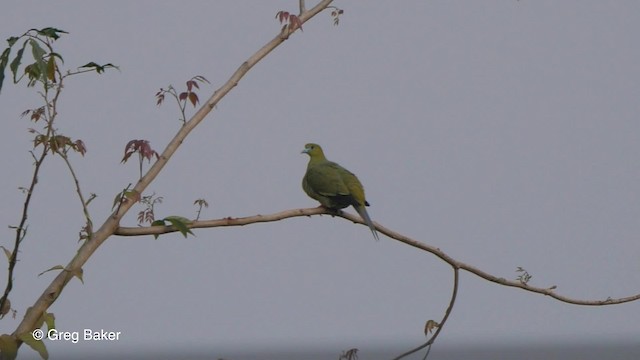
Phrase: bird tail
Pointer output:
(365, 216)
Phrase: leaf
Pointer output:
(80, 147)
(160, 97)
(429, 326)
(295, 22)
(98, 68)
(141, 146)
(201, 202)
(8, 347)
(201, 79)
(38, 56)
(193, 97)
(4, 60)
(36, 345)
(12, 40)
(6, 252)
(157, 223)
(51, 32)
(57, 267)
(51, 69)
(54, 54)
(180, 223)
(33, 71)
(49, 319)
(117, 200)
(15, 64)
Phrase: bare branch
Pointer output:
(429, 342)
(229, 221)
(302, 7)
(85, 209)
(21, 228)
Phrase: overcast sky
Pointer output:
(506, 133)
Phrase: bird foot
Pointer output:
(330, 211)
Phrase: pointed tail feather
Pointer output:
(365, 216)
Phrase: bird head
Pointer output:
(314, 151)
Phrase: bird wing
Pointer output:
(354, 186)
(325, 179)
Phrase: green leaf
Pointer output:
(38, 56)
(4, 60)
(36, 345)
(157, 223)
(55, 54)
(8, 347)
(34, 72)
(98, 68)
(12, 40)
(179, 218)
(16, 62)
(50, 320)
(51, 32)
(57, 267)
(124, 196)
(117, 200)
(180, 223)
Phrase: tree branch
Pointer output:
(429, 342)
(229, 221)
(85, 209)
(51, 293)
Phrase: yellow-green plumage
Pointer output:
(334, 186)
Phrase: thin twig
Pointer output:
(430, 341)
(85, 209)
(20, 229)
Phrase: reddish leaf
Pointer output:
(282, 16)
(140, 146)
(193, 98)
(295, 22)
(183, 96)
(79, 147)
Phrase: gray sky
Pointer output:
(505, 133)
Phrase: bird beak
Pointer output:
(305, 151)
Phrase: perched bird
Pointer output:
(334, 186)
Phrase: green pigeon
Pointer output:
(334, 186)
